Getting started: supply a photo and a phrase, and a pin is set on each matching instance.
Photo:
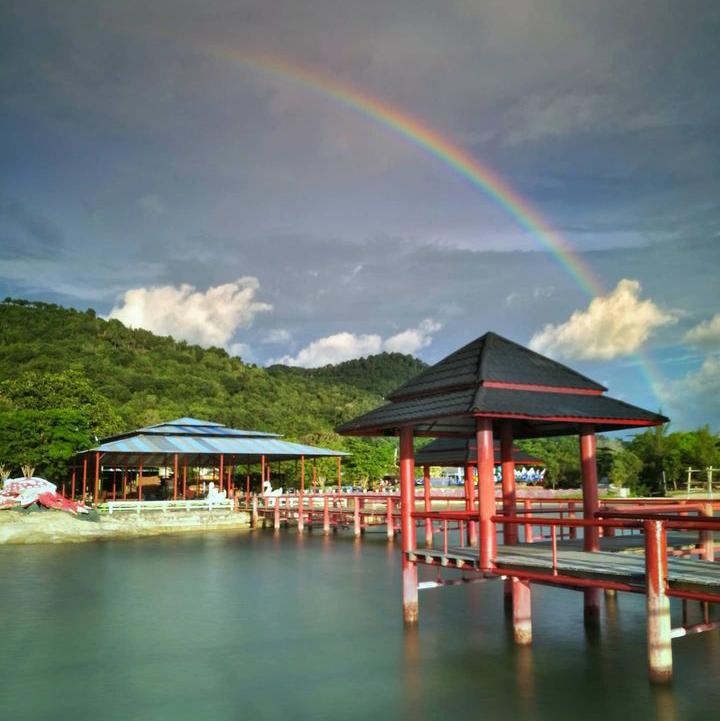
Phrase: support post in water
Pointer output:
(254, 514)
(659, 628)
(591, 538)
(486, 491)
(428, 506)
(510, 530)
(390, 520)
(407, 526)
(522, 611)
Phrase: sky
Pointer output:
(181, 166)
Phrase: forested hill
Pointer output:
(148, 378)
(378, 374)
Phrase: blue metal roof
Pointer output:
(202, 441)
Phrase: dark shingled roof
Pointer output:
(493, 358)
(461, 451)
(445, 398)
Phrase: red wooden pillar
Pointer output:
(659, 627)
(301, 509)
(247, 485)
(428, 506)
(326, 514)
(184, 480)
(357, 530)
(510, 531)
(84, 480)
(510, 534)
(114, 483)
(407, 525)
(72, 485)
(124, 483)
(221, 469)
(486, 491)
(140, 483)
(591, 540)
(390, 521)
(470, 503)
(254, 513)
(175, 476)
(96, 495)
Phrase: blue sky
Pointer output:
(145, 176)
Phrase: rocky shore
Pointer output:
(48, 526)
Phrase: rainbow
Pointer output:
(452, 155)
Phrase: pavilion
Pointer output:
(191, 443)
(494, 387)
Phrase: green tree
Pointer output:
(625, 471)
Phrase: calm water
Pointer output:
(258, 626)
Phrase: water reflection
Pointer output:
(525, 679)
(665, 703)
(412, 682)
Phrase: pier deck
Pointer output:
(625, 566)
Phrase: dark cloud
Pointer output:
(136, 155)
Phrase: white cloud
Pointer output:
(706, 334)
(413, 339)
(613, 325)
(209, 318)
(277, 336)
(334, 349)
(345, 346)
(691, 399)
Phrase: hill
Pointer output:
(377, 374)
(101, 376)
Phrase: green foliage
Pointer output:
(380, 374)
(561, 457)
(370, 460)
(45, 439)
(625, 471)
(58, 359)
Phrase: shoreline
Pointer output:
(25, 528)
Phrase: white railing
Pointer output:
(201, 504)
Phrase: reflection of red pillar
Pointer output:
(486, 490)
(428, 506)
(407, 525)
(659, 628)
(591, 541)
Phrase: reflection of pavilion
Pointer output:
(195, 450)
